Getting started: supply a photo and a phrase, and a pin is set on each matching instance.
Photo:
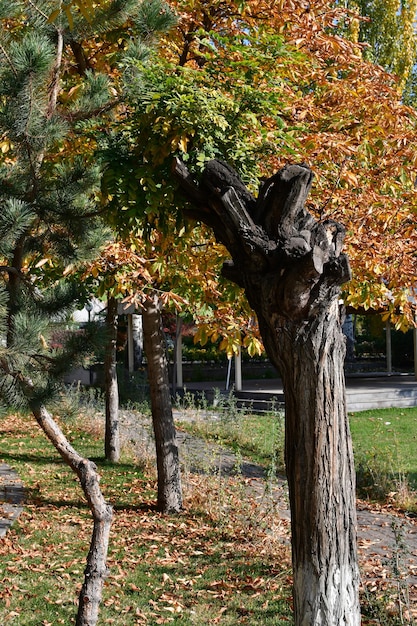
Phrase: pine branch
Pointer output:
(80, 116)
(8, 59)
(38, 10)
(6, 269)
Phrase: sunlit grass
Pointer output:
(386, 463)
(218, 562)
(222, 561)
(389, 432)
(384, 442)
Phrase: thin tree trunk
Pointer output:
(167, 458)
(177, 378)
(112, 430)
(291, 267)
(96, 569)
(137, 341)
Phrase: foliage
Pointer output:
(258, 85)
(334, 110)
(180, 110)
(388, 29)
(49, 224)
(59, 85)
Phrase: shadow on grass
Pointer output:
(100, 462)
(412, 477)
(33, 496)
(29, 458)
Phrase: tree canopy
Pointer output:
(259, 85)
(335, 110)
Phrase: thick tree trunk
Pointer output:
(167, 458)
(96, 569)
(291, 267)
(112, 430)
(320, 471)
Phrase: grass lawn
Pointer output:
(391, 435)
(384, 441)
(219, 562)
(222, 561)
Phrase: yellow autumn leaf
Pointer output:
(182, 144)
(70, 19)
(253, 346)
(201, 336)
(68, 269)
(52, 17)
(351, 178)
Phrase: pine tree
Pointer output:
(49, 223)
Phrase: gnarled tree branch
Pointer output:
(273, 236)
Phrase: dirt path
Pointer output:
(378, 546)
(12, 495)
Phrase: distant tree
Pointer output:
(121, 272)
(388, 30)
(168, 462)
(111, 387)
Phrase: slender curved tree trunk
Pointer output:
(96, 569)
(167, 458)
(291, 267)
(112, 429)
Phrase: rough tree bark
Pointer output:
(291, 267)
(167, 458)
(111, 389)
